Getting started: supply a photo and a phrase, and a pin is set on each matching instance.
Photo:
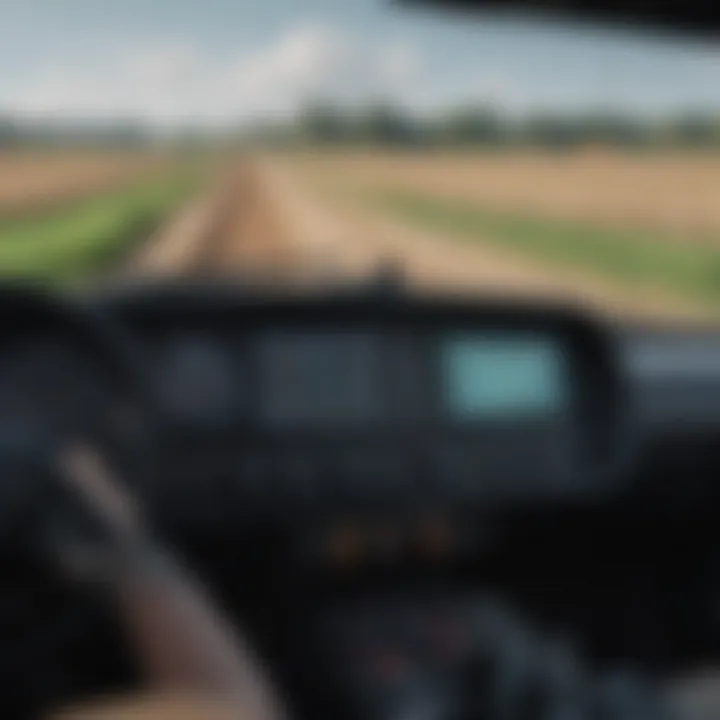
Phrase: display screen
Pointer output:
(325, 378)
(488, 375)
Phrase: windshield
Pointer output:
(317, 142)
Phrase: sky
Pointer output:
(224, 62)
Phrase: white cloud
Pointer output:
(168, 63)
(403, 65)
(173, 81)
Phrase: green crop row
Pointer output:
(687, 267)
(90, 237)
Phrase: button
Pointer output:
(254, 469)
(388, 667)
(388, 542)
(379, 664)
(345, 545)
(254, 477)
(436, 538)
(300, 477)
(350, 476)
(373, 475)
(396, 474)
(458, 468)
(449, 639)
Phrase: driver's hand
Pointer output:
(100, 525)
(86, 473)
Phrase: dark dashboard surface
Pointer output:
(287, 404)
(469, 445)
(592, 441)
(315, 402)
(346, 400)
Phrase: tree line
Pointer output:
(383, 124)
(15, 133)
(484, 126)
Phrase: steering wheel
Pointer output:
(40, 616)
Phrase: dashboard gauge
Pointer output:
(49, 388)
(323, 378)
(197, 380)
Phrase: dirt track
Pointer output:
(264, 221)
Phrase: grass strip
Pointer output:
(90, 238)
(686, 266)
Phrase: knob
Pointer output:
(628, 696)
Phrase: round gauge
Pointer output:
(50, 388)
(197, 380)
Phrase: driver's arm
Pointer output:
(182, 641)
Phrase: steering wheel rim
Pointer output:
(23, 307)
(25, 298)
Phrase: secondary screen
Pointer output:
(321, 378)
(491, 375)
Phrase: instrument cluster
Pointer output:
(333, 403)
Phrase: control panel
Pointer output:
(311, 405)
(471, 656)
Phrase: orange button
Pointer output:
(345, 544)
(436, 538)
(389, 666)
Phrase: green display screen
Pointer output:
(490, 375)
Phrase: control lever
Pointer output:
(627, 696)
(497, 666)
(429, 703)
(513, 674)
